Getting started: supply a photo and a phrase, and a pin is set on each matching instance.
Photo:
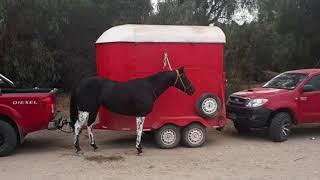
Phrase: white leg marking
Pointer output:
(83, 117)
(140, 121)
(90, 133)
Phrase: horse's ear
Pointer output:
(181, 69)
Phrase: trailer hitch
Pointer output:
(63, 123)
(58, 123)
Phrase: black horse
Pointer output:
(132, 98)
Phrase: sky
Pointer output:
(154, 2)
(240, 16)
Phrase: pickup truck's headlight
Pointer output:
(256, 102)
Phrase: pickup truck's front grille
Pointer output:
(238, 101)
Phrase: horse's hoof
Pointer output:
(95, 147)
(139, 150)
(78, 150)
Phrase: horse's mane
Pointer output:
(158, 75)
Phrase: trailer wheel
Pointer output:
(208, 105)
(279, 129)
(194, 135)
(8, 138)
(168, 136)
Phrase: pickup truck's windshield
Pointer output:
(286, 81)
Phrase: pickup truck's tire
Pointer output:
(279, 129)
(8, 138)
(241, 128)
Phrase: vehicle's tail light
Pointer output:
(48, 104)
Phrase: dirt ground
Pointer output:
(226, 155)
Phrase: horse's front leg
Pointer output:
(139, 121)
(83, 117)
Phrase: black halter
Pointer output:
(179, 78)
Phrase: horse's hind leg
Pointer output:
(92, 141)
(92, 118)
(83, 117)
(139, 121)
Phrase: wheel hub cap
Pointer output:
(209, 105)
(168, 137)
(195, 136)
(285, 129)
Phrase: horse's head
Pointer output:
(182, 82)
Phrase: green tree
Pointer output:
(51, 43)
(284, 37)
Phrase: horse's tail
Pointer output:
(73, 110)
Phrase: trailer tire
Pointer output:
(8, 139)
(279, 129)
(168, 136)
(208, 105)
(194, 135)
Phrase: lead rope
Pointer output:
(166, 61)
(64, 123)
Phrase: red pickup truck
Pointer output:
(288, 99)
(23, 111)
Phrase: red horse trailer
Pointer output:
(133, 51)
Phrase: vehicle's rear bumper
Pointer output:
(53, 125)
(249, 117)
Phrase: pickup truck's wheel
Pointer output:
(194, 135)
(8, 138)
(241, 128)
(279, 129)
(168, 136)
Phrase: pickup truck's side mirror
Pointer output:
(308, 88)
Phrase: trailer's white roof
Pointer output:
(163, 33)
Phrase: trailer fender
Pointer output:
(179, 121)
